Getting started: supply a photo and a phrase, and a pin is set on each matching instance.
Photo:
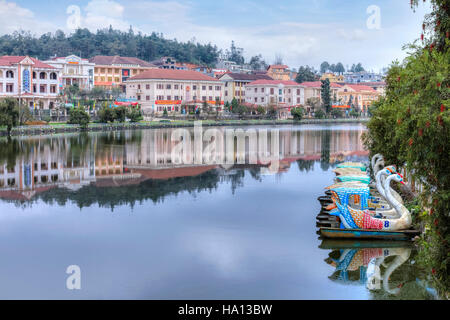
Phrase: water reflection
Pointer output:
(180, 231)
(91, 168)
(383, 267)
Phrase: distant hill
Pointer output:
(111, 42)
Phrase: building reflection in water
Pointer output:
(33, 166)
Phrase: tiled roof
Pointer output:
(171, 74)
(273, 82)
(117, 60)
(359, 87)
(248, 77)
(318, 84)
(12, 60)
(278, 66)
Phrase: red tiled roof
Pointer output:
(273, 82)
(116, 60)
(12, 60)
(278, 66)
(171, 74)
(359, 87)
(248, 77)
(318, 84)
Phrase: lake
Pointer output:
(140, 225)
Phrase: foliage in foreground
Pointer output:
(410, 127)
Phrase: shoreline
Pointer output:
(99, 127)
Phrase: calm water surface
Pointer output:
(140, 227)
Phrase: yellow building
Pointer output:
(279, 72)
(113, 71)
(332, 77)
(234, 84)
(360, 96)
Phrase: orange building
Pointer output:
(360, 96)
(113, 71)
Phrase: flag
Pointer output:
(94, 105)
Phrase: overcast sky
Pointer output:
(302, 32)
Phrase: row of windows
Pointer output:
(169, 86)
(272, 90)
(177, 98)
(42, 75)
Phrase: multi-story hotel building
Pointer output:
(173, 90)
(234, 84)
(74, 71)
(113, 71)
(279, 72)
(30, 81)
(360, 96)
(274, 92)
(313, 89)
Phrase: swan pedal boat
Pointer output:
(338, 233)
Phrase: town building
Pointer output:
(234, 84)
(359, 96)
(333, 77)
(283, 95)
(313, 89)
(113, 71)
(29, 80)
(174, 90)
(74, 71)
(279, 72)
(359, 77)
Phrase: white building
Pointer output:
(30, 81)
(279, 93)
(74, 70)
(174, 90)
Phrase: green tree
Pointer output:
(305, 74)
(79, 116)
(134, 114)
(410, 126)
(340, 68)
(324, 67)
(297, 113)
(260, 110)
(106, 114)
(9, 114)
(234, 105)
(319, 114)
(325, 94)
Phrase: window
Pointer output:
(298, 92)
(147, 98)
(52, 89)
(169, 97)
(256, 100)
(210, 98)
(272, 91)
(256, 90)
(53, 76)
(9, 87)
(210, 87)
(226, 93)
(262, 90)
(42, 75)
(160, 98)
(280, 99)
(298, 100)
(159, 86)
(147, 86)
(175, 86)
(176, 98)
(139, 97)
(262, 99)
(194, 87)
(9, 74)
(34, 75)
(34, 88)
(139, 86)
(218, 88)
(168, 86)
(280, 92)
(203, 88)
(203, 98)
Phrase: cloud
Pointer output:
(104, 13)
(15, 18)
